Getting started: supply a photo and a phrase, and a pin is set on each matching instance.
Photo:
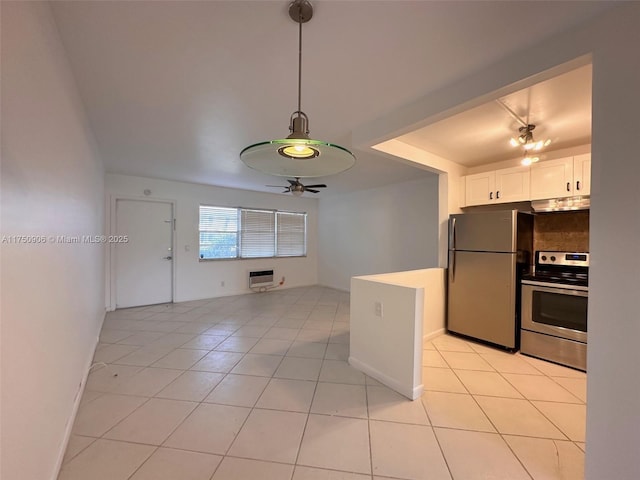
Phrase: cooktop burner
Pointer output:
(581, 279)
(570, 268)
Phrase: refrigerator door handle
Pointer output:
(452, 267)
(452, 234)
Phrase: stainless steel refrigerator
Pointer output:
(488, 252)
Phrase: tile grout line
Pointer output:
(497, 431)
(366, 398)
(530, 402)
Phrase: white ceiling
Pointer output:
(176, 89)
(560, 108)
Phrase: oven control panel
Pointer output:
(573, 259)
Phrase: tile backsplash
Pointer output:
(563, 231)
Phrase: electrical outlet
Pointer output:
(378, 309)
(222, 283)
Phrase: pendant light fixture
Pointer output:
(298, 155)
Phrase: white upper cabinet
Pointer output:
(512, 185)
(552, 179)
(564, 177)
(582, 174)
(498, 186)
(479, 188)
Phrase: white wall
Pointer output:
(388, 347)
(450, 191)
(386, 229)
(613, 395)
(52, 184)
(195, 279)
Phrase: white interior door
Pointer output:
(144, 264)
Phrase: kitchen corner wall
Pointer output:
(561, 231)
(194, 279)
(380, 230)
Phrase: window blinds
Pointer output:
(251, 233)
(291, 234)
(257, 237)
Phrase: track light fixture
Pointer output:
(525, 139)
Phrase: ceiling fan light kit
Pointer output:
(297, 188)
(298, 155)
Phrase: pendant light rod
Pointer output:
(512, 113)
(300, 62)
(300, 11)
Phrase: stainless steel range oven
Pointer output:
(554, 308)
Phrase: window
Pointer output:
(292, 239)
(257, 233)
(218, 232)
(251, 233)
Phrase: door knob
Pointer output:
(169, 257)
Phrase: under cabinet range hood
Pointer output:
(561, 204)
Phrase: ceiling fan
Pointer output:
(298, 188)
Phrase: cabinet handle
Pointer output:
(578, 185)
(568, 186)
(498, 194)
(490, 195)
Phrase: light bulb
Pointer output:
(298, 151)
(528, 160)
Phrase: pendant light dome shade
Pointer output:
(274, 157)
(298, 155)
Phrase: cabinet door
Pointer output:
(512, 185)
(480, 188)
(582, 174)
(552, 179)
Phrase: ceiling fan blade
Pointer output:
(322, 185)
(311, 190)
(293, 182)
(286, 191)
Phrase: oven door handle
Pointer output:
(577, 290)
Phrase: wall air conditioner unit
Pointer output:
(261, 278)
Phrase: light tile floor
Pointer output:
(258, 387)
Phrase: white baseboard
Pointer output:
(74, 411)
(343, 290)
(410, 391)
(430, 336)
